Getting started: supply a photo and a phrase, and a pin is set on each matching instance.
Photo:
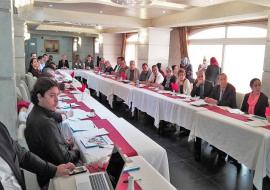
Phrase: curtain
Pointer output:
(183, 35)
(124, 43)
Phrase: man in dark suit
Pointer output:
(13, 156)
(63, 63)
(120, 61)
(223, 94)
(201, 87)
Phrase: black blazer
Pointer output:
(259, 107)
(44, 138)
(17, 157)
(228, 98)
(208, 86)
(172, 80)
(61, 64)
(212, 73)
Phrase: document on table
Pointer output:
(79, 114)
(84, 125)
(199, 103)
(63, 98)
(257, 123)
(96, 141)
(64, 105)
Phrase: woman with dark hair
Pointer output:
(34, 67)
(160, 70)
(42, 133)
(212, 71)
(255, 102)
(185, 64)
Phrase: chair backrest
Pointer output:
(24, 91)
(30, 81)
(239, 99)
(19, 94)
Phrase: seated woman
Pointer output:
(168, 80)
(34, 67)
(255, 102)
(183, 82)
(42, 133)
(108, 68)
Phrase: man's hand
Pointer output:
(64, 169)
(210, 100)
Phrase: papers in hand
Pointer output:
(99, 141)
(199, 103)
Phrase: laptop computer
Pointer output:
(107, 180)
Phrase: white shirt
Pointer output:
(41, 66)
(159, 78)
(7, 177)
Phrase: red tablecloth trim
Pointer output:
(116, 137)
(226, 113)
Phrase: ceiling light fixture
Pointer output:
(50, 5)
(101, 12)
(132, 2)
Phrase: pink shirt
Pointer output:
(252, 101)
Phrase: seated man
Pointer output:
(201, 87)
(223, 94)
(13, 156)
(145, 74)
(132, 73)
(42, 133)
(156, 77)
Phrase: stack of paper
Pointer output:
(79, 114)
(63, 98)
(199, 103)
(85, 125)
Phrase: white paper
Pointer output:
(257, 123)
(199, 103)
(79, 114)
(85, 125)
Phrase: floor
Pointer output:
(185, 172)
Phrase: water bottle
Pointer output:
(137, 83)
(130, 183)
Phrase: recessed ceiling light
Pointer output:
(163, 11)
(101, 12)
(50, 5)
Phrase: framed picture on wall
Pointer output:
(51, 46)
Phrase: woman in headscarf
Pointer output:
(212, 71)
(185, 64)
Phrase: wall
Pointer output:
(65, 46)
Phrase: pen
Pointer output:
(126, 181)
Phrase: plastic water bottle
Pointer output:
(173, 93)
(137, 83)
(130, 183)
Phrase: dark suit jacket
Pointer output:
(172, 80)
(259, 107)
(208, 86)
(17, 157)
(45, 139)
(228, 98)
(61, 64)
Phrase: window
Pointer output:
(97, 46)
(239, 50)
(131, 48)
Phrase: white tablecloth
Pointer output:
(144, 146)
(249, 145)
(151, 179)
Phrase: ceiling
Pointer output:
(96, 16)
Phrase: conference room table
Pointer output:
(235, 134)
(158, 104)
(240, 136)
(150, 179)
(142, 144)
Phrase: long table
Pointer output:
(249, 145)
(150, 178)
(144, 146)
